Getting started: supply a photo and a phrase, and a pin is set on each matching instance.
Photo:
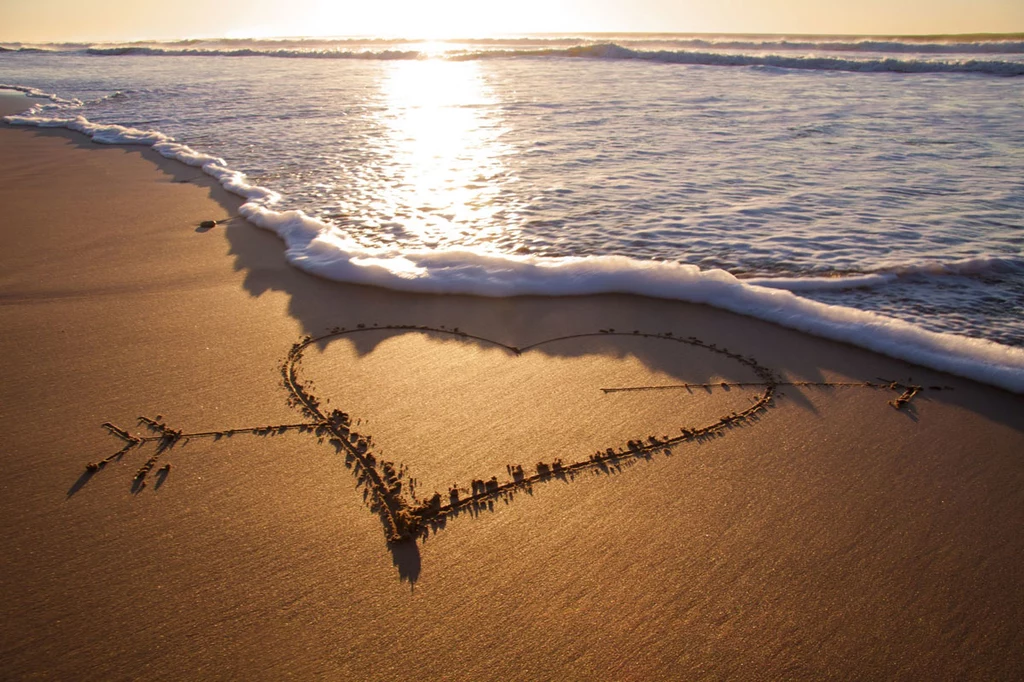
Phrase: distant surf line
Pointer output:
(770, 54)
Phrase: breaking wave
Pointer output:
(814, 63)
(912, 55)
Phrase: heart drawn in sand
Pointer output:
(452, 421)
(434, 421)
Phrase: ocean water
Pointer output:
(869, 190)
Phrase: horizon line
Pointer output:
(1010, 35)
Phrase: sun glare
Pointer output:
(446, 163)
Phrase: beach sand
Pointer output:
(830, 536)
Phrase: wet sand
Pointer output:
(824, 535)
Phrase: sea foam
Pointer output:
(320, 249)
(39, 94)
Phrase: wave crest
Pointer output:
(970, 267)
(864, 56)
(814, 63)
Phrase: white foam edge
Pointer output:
(319, 249)
(39, 94)
(823, 283)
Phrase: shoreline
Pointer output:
(445, 273)
(831, 535)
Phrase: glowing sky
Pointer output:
(69, 20)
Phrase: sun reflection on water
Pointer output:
(443, 178)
